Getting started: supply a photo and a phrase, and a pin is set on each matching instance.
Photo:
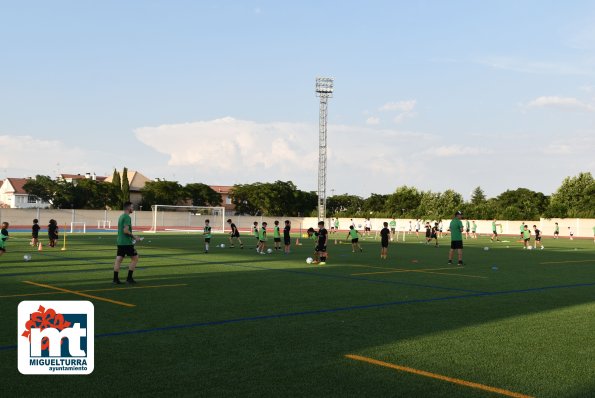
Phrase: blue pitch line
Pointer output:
(327, 311)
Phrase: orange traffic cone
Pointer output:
(40, 247)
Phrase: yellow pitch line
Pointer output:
(95, 290)
(405, 270)
(438, 376)
(571, 261)
(80, 294)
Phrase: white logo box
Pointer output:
(52, 315)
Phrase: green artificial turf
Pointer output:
(236, 323)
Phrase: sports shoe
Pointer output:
(322, 263)
(116, 282)
(130, 281)
(460, 263)
(450, 262)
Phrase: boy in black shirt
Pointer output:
(287, 236)
(35, 233)
(384, 235)
(320, 250)
(234, 234)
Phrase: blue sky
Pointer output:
(435, 94)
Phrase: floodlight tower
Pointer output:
(324, 90)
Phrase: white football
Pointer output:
(309, 260)
(529, 247)
(27, 257)
(486, 248)
(223, 245)
(269, 250)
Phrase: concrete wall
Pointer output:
(183, 220)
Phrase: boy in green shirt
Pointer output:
(354, 235)
(526, 237)
(494, 231)
(262, 239)
(393, 229)
(125, 242)
(277, 236)
(474, 230)
(206, 233)
(456, 238)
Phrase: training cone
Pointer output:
(297, 241)
(40, 247)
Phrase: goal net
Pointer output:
(78, 227)
(187, 218)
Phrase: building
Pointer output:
(74, 177)
(136, 181)
(225, 192)
(13, 195)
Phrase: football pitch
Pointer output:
(511, 322)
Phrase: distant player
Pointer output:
(570, 233)
(526, 237)
(435, 233)
(474, 230)
(206, 233)
(354, 236)
(417, 228)
(320, 250)
(256, 233)
(277, 236)
(53, 232)
(262, 239)
(456, 238)
(3, 237)
(125, 242)
(410, 227)
(556, 231)
(494, 231)
(384, 237)
(428, 232)
(393, 228)
(234, 234)
(537, 237)
(467, 228)
(35, 233)
(287, 236)
(367, 226)
(336, 227)
(522, 229)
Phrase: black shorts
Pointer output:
(456, 244)
(384, 243)
(433, 236)
(3, 249)
(467, 230)
(392, 230)
(287, 241)
(428, 234)
(538, 238)
(320, 248)
(262, 241)
(207, 240)
(126, 250)
(35, 236)
(277, 239)
(556, 232)
(53, 236)
(354, 240)
(526, 239)
(236, 235)
(495, 233)
(367, 229)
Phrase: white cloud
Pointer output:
(403, 106)
(26, 156)
(372, 121)
(560, 102)
(456, 150)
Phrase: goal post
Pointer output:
(78, 227)
(187, 218)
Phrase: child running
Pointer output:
(53, 232)
(354, 235)
(234, 234)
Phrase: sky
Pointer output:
(433, 94)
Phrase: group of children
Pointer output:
(52, 234)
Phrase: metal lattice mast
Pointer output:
(324, 90)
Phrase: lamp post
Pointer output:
(324, 90)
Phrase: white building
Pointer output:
(13, 195)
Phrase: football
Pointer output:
(27, 257)
(223, 245)
(309, 260)
(269, 250)
(486, 248)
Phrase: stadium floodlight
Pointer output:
(324, 90)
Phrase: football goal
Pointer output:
(187, 218)
(78, 227)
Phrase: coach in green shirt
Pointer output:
(125, 242)
(456, 237)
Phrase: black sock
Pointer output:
(115, 276)
(323, 259)
(129, 275)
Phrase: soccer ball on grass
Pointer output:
(309, 260)
(27, 257)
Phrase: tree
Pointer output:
(404, 202)
(376, 204)
(162, 192)
(344, 205)
(42, 187)
(448, 203)
(278, 198)
(478, 197)
(521, 204)
(117, 183)
(125, 186)
(574, 198)
(202, 195)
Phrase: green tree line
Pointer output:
(574, 198)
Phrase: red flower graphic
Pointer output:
(43, 319)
